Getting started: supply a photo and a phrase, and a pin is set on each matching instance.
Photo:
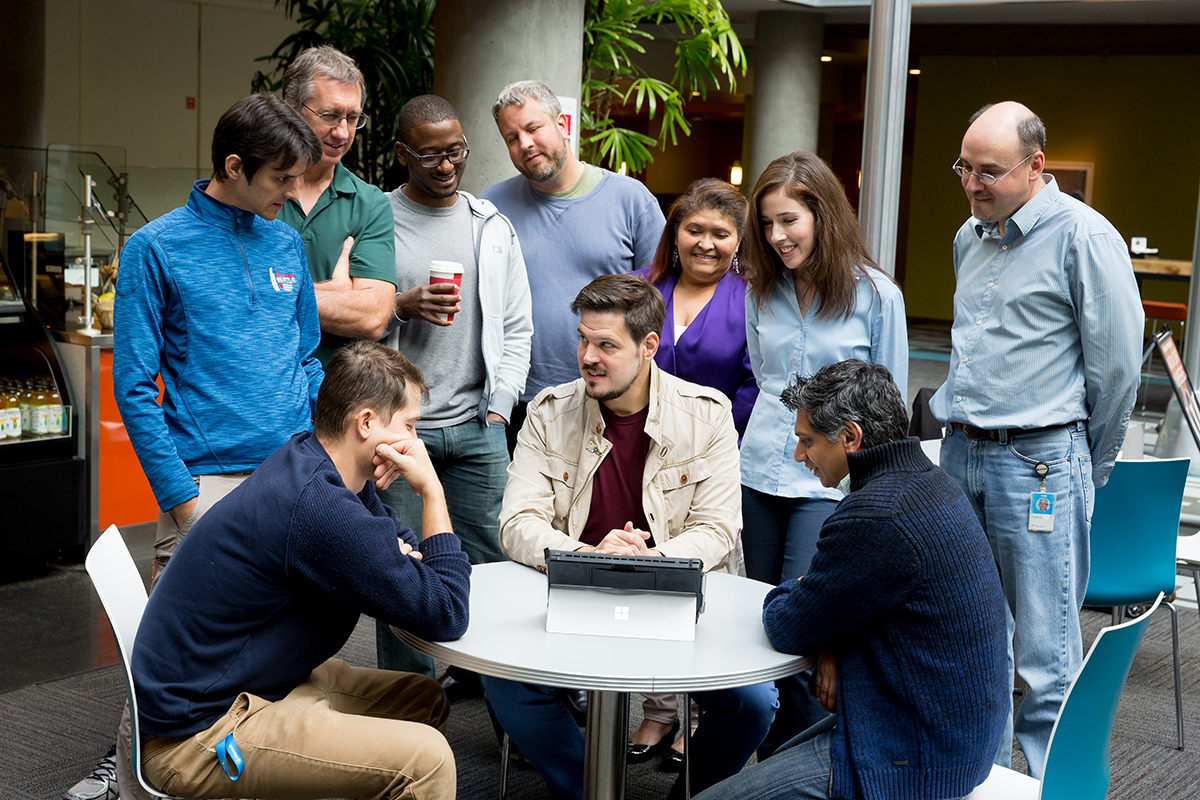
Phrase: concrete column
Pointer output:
(481, 46)
(883, 129)
(23, 65)
(787, 86)
(1191, 348)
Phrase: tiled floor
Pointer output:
(53, 623)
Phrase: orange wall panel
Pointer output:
(125, 495)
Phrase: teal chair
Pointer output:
(1135, 533)
(1078, 756)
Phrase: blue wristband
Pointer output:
(229, 755)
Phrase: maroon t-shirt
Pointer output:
(617, 485)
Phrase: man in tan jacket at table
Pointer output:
(627, 460)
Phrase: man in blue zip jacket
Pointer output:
(215, 298)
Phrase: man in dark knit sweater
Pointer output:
(233, 658)
(903, 604)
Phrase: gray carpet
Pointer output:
(52, 733)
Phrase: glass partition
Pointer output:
(66, 168)
(49, 262)
(158, 190)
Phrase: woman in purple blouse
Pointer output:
(696, 269)
(703, 341)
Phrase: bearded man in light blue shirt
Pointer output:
(1046, 356)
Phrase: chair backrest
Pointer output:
(1078, 756)
(123, 595)
(1135, 528)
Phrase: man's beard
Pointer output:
(556, 161)
(612, 394)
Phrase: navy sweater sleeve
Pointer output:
(339, 546)
(862, 570)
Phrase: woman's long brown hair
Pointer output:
(839, 254)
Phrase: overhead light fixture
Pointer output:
(914, 72)
(827, 58)
(695, 94)
(735, 173)
(624, 169)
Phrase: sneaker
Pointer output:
(101, 784)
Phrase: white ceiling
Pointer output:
(983, 12)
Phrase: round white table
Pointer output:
(507, 639)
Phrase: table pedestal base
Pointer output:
(604, 756)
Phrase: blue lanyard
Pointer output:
(227, 754)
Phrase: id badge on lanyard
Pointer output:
(1041, 504)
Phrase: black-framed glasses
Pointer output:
(432, 160)
(983, 177)
(332, 120)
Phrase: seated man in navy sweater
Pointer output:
(233, 659)
(903, 604)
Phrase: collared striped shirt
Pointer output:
(1048, 325)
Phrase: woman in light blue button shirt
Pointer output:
(815, 298)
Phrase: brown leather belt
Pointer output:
(985, 435)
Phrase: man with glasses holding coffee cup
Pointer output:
(1044, 368)
(346, 223)
(462, 314)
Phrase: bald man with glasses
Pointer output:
(346, 223)
(1044, 367)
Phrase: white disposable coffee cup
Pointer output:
(446, 272)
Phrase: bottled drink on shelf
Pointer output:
(31, 408)
(12, 403)
(39, 413)
(6, 425)
(26, 410)
(54, 411)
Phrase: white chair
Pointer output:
(1078, 756)
(933, 450)
(1187, 558)
(123, 595)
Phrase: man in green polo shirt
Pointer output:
(346, 224)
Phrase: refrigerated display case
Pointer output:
(43, 494)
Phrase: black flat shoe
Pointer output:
(638, 753)
(672, 762)
(460, 684)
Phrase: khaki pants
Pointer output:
(345, 732)
(664, 708)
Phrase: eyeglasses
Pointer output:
(432, 160)
(985, 178)
(332, 120)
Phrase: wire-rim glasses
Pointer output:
(983, 177)
(332, 120)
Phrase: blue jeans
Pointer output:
(799, 770)
(779, 537)
(471, 460)
(732, 724)
(1044, 575)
